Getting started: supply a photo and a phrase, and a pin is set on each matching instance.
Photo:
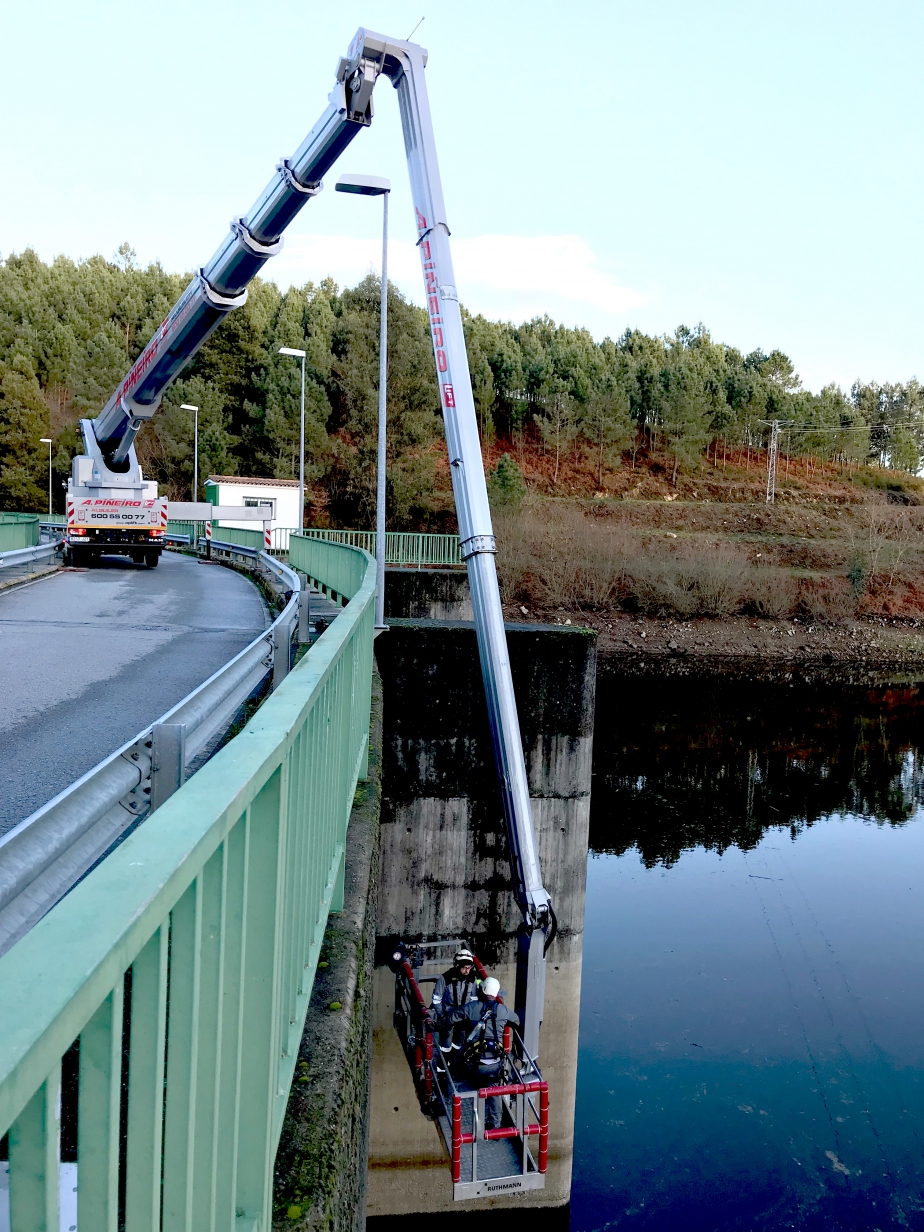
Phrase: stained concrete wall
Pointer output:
(446, 873)
(437, 594)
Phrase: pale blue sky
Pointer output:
(755, 166)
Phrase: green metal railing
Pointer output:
(237, 534)
(195, 944)
(401, 547)
(19, 530)
(193, 529)
(230, 534)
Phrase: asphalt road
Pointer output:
(89, 658)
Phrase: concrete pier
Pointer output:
(435, 594)
(445, 870)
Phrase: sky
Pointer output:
(754, 166)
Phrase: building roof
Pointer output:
(251, 483)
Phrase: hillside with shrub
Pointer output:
(627, 475)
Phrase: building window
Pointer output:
(261, 502)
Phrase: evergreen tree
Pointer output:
(23, 423)
(506, 485)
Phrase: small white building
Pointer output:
(278, 496)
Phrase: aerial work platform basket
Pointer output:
(507, 1158)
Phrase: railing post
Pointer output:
(168, 761)
(336, 898)
(34, 1149)
(98, 1116)
(543, 1126)
(456, 1139)
(146, 1085)
(304, 610)
(282, 650)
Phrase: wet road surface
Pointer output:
(89, 658)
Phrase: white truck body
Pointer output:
(112, 512)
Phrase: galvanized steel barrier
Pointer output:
(221, 898)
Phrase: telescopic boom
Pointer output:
(221, 285)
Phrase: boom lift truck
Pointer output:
(109, 471)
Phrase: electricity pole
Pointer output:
(773, 453)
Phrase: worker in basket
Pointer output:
(483, 1057)
(453, 990)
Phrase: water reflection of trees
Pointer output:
(680, 764)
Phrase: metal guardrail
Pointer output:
(48, 852)
(22, 557)
(222, 898)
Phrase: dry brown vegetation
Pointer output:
(826, 563)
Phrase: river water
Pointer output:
(751, 1045)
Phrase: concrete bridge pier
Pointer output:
(445, 871)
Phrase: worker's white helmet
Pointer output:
(464, 956)
(491, 987)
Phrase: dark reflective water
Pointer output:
(751, 1049)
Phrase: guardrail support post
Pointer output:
(282, 639)
(168, 761)
(304, 610)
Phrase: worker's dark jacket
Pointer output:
(451, 992)
(485, 1020)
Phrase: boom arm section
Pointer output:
(221, 284)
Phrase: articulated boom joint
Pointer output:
(358, 76)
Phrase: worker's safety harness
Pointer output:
(483, 1053)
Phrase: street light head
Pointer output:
(364, 185)
(44, 440)
(292, 351)
(185, 406)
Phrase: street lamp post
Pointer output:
(301, 436)
(185, 406)
(45, 440)
(378, 186)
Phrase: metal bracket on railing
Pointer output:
(138, 800)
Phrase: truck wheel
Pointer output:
(67, 558)
(153, 558)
